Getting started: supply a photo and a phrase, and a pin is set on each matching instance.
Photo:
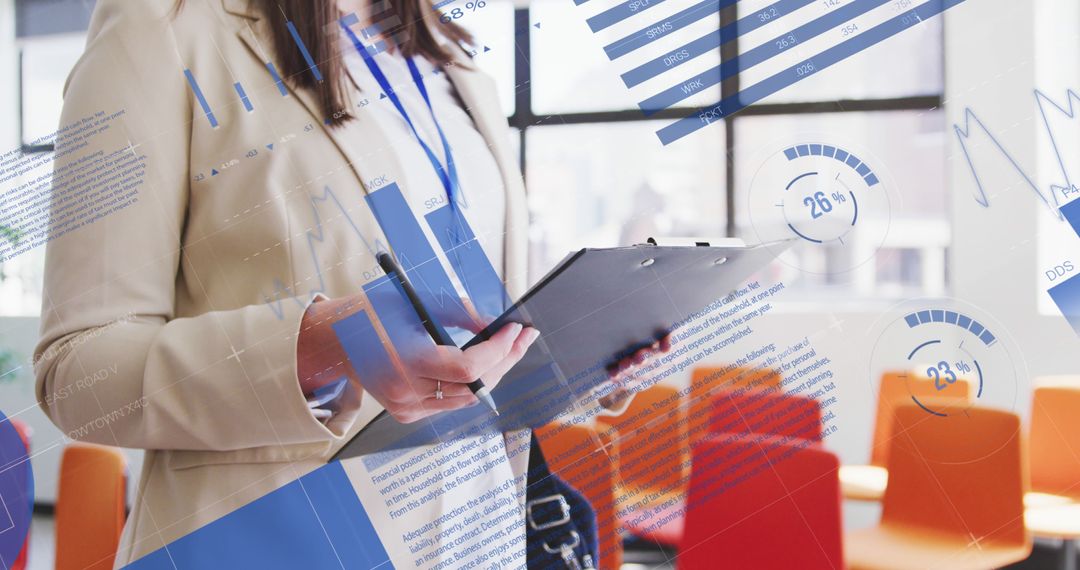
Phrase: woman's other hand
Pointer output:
(622, 385)
(321, 359)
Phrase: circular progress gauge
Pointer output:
(950, 359)
(823, 195)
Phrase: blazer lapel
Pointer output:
(478, 93)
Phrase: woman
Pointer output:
(215, 293)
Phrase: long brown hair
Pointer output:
(414, 36)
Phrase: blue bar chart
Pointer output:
(201, 98)
(304, 51)
(415, 254)
(1066, 296)
(277, 78)
(1071, 212)
(338, 531)
(467, 258)
(793, 39)
(243, 96)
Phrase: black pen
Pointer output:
(438, 334)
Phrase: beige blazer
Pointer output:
(170, 293)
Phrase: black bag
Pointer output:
(560, 524)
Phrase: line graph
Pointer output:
(317, 234)
(974, 134)
(1050, 195)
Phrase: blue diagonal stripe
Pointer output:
(735, 103)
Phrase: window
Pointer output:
(597, 176)
(604, 185)
(44, 63)
(905, 261)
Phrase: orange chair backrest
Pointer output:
(587, 459)
(758, 501)
(653, 450)
(1054, 448)
(706, 382)
(960, 475)
(766, 412)
(897, 388)
(90, 506)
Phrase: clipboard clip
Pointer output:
(695, 241)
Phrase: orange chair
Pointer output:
(867, 482)
(587, 459)
(1054, 438)
(654, 458)
(955, 497)
(767, 413)
(706, 382)
(1053, 505)
(788, 418)
(24, 432)
(90, 506)
(759, 501)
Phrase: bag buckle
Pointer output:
(566, 550)
(563, 519)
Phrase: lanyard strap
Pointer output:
(448, 175)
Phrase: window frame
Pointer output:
(524, 118)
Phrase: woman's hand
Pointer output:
(452, 369)
(321, 359)
(621, 384)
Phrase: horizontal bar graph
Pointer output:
(621, 12)
(705, 116)
(838, 21)
(666, 27)
(672, 59)
(952, 318)
(756, 55)
(680, 92)
(839, 154)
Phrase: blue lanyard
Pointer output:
(447, 175)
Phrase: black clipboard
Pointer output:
(593, 308)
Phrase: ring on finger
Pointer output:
(438, 390)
